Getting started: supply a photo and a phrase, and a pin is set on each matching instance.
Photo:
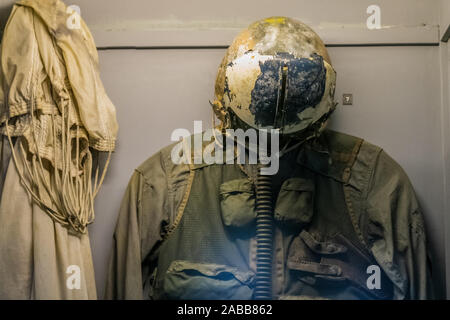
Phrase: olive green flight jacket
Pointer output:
(370, 199)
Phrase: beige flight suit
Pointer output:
(49, 76)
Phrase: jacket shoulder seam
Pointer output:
(183, 204)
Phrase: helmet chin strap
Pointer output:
(229, 120)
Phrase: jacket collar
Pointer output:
(330, 155)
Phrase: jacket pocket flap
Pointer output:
(194, 280)
(298, 184)
(237, 203)
(295, 202)
(315, 268)
(211, 270)
(237, 185)
(325, 248)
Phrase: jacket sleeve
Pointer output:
(140, 226)
(396, 232)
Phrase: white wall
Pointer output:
(399, 92)
(444, 50)
(206, 22)
(397, 106)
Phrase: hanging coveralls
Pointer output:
(53, 104)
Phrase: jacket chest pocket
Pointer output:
(295, 202)
(237, 203)
(193, 280)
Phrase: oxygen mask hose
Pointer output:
(264, 237)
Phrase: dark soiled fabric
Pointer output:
(5, 156)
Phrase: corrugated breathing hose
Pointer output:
(264, 237)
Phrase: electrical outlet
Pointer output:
(347, 99)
